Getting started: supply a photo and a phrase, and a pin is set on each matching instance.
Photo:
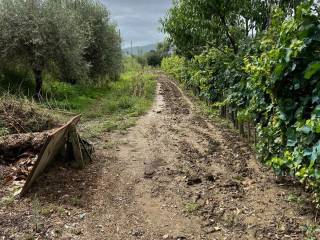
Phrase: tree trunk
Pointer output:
(38, 78)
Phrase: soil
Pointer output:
(175, 175)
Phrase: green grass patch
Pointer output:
(113, 106)
(3, 129)
(121, 103)
(191, 207)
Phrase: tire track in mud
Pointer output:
(179, 176)
(247, 203)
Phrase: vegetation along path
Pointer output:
(175, 175)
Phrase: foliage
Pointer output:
(141, 60)
(270, 77)
(117, 105)
(112, 106)
(16, 79)
(194, 25)
(154, 57)
(66, 39)
(41, 33)
(290, 117)
(115, 96)
(131, 64)
(175, 66)
(104, 50)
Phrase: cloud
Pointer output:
(138, 20)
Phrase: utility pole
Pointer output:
(131, 49)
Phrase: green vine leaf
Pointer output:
(312, 69)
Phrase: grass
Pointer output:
(22, 115)
(117, 106)
(293, 198)
(77, 202)
(311, 232)
(113, 106)
(191, 207)
(3, 130)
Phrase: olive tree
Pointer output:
(104, 51)
(42, 34)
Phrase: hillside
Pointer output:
(139, 50)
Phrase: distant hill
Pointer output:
(140, 50)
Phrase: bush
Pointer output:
(284, 81)
(175, 65)
(153, 58)
(131, 64)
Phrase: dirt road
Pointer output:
(175, 175)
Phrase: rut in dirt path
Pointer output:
(175, 175)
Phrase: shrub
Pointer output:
(175, 65)
(284, 81)
(273, 80)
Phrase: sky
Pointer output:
(138, 20)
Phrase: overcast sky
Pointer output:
(138, 20)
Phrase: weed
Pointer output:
(119, 107)
(36, 214)
(125, 103)
(295, 199)
(191, 207)
(46, 211)
(60, 210)
(239, 178)
(6, 201)
(3, 131)
(29, 237)
(110, 144)
(311, 232)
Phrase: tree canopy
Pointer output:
(194, 25)
(72, 39)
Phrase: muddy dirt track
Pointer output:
(175, 175)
